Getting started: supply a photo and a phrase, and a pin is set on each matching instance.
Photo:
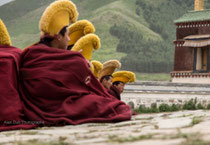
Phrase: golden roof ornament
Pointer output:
(199, 5)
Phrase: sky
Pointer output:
(2, 2)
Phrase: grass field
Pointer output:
(153, 76)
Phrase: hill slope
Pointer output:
(22, 22)
(149, 24)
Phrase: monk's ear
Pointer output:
(103, 81)
(58, 37)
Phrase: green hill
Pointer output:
(23, 25)
(145, 26)
(121, 12)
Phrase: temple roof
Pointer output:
(193, 16)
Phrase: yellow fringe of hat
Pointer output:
(4, 35)
(58, 15)
(109, 67)
(124, 76)
(79, 29)
(86, 44)
(96, 67)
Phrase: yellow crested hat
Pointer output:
(86, 44)
(109, 67)
(4, 35)
(96, 67)
(124, 76)
(58, 15)
(79, 29)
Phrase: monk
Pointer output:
(105, 75)
(120, 78)
(106, 81)
(56, 84)
(11, 111)
(96, 67)
(116, 89)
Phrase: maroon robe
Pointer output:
(114, 92)
(58, 88)
(11, 111)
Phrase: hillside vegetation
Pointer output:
(139, 33)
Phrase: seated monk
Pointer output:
(105, 75)
(116, 89)
(86, 45)
(120, 78)
(56, 84)
(96, 67)
(11, 110)
(79, 29)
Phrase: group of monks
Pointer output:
(54, 82)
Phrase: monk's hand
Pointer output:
(88, 62)
(87, 80)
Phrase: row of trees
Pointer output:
(142, 56)
(149, 55)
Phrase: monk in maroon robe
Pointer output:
(58, 88)
(11, 111)
(120, 78)
(56, 84)
(114, 92)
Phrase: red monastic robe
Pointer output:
(11, 111)
(114, 92)
(58, 88)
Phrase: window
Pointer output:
(201, 59)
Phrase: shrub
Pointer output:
(154, 108)
(175, 107)
(143, 109)
(191, 105)
(200, 106)
(208, 106)
(164, 108)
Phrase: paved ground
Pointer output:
(168, 87)
(177, 128)
(147, 93)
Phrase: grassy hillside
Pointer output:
(149, 22)
(23, 18)
(121, 12)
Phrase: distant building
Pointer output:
(192, 46)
